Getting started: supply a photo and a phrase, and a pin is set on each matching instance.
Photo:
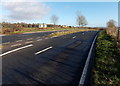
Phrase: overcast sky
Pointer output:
(34, 11)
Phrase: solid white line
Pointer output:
(82, 79)
(6, 43)
(30, 39)
(19, 41)
(16, 45)
(74, 37)
(28, 42)
(39, 39)
(16, 50)
(43, 50)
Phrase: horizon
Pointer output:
(96, 13)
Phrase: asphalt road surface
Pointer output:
(43, 61)
(13, 38)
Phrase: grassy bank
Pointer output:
(27, 30)
(107, 62)
(70, 31)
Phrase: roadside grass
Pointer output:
(8, 31)
(27, 30)
(70, 31)
(107, 62)
(1, 46)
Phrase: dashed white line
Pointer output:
(6, 43)
(74, 37)
(54, 37)
(16, 50)
(46, 38)
(16, 45)
(30, 39)
(39, 39)
(43, 50)
(28, 42)
(83, 33)
(19, 41)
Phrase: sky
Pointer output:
(34, 11)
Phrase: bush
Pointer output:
(107, 66)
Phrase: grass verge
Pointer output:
(30, 30)
(68, 32)
(107, 63)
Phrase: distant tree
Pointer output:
(54, 19)
(112, 28)
(111, 23)
(81, 20)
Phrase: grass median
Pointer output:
(107, 63)
(69, 32)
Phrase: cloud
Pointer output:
(22, 10)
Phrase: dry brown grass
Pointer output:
(69, 32)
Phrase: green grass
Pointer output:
(107, 63)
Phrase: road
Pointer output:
(13, 38)
(55, 60)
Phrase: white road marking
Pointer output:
(82, 79)
(30, 39)
(6, 43)
(16, 45)
(28, 42)
(46, 38)
(52, 33)
(16, 50)
(54, 37)
(83, 33)
(39, 39)
(19, 41)
(43, 50)
(74, 37)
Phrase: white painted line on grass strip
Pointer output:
(82, 79)
(43, 50)
(16, 50)
(39, 39)
(19, 41)
(30, 39)
(74, 37)
(28, 42)
(16, 45)
(6, 43)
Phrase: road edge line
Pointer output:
(82, 79)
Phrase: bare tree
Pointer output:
(81, 20)
(111, 23)
(54, 19)
(112, 28)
